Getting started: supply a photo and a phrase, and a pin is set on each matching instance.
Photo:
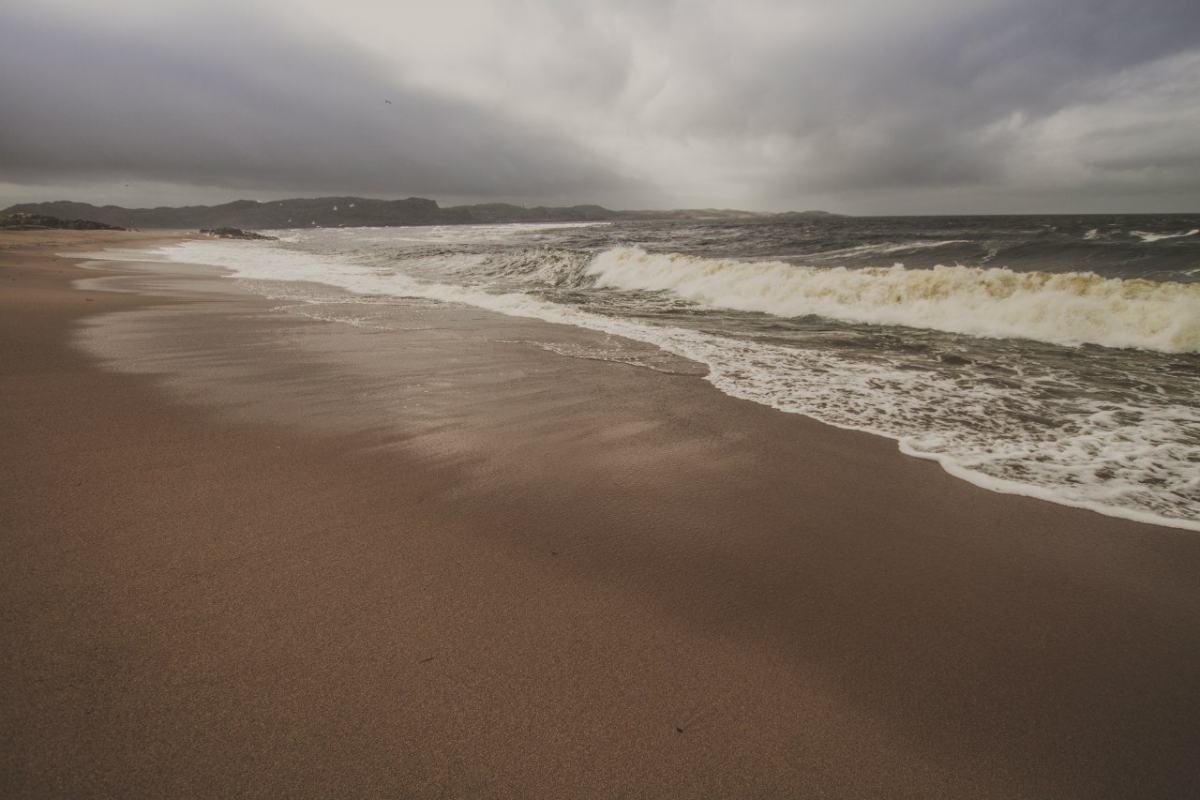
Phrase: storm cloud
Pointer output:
(240, 101)
(918, 106)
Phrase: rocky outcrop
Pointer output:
(237, 233)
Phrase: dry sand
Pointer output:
(249, 553)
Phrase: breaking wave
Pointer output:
(1118, 432)
(1066, 308)
(1158, 237)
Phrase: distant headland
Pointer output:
(357, 212)
(24, 221)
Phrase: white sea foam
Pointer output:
(1158, 237)
(880, 249)
(1141, 463)
(1068, 308)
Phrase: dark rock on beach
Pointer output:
(237, 233)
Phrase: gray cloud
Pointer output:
(920, 94)
(230, 99)
(937, 98)
(855, 96)
(869, 106)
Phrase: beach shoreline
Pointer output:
(257, 552)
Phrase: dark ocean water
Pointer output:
(1052, 356)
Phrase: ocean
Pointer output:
(1056, 357)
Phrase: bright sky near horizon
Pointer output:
(855, 106)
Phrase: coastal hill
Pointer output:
(356, 212)
(40, 222)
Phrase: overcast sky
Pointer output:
(880, 106)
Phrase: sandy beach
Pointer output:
(253, 553)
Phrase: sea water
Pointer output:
(1057, 357)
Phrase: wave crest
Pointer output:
(1067, 308)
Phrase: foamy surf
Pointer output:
(1071, 308)
(1113, 430)
(1158, 237)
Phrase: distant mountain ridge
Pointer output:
(332, 212)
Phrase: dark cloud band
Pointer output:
(240, 102)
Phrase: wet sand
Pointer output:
(249, 552)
